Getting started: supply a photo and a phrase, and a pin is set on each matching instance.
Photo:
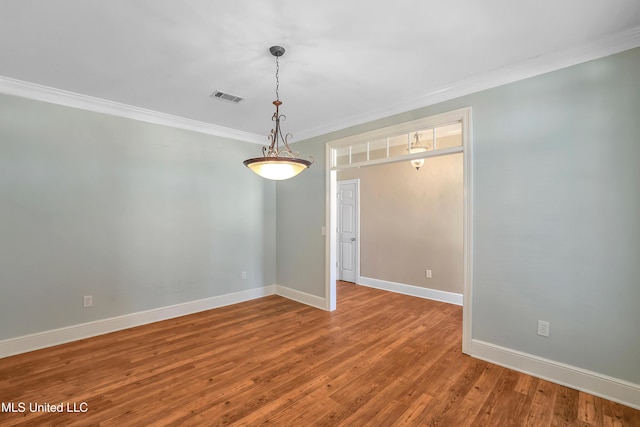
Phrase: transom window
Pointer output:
(428, 137)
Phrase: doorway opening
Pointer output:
(395, 144)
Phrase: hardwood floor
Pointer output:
(381, 359)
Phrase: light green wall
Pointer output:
(300, 217)
(556, 173)
(556, 207)
(138, 215)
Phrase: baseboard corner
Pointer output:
(301, 297)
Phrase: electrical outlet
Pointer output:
(427, 274)
(244, 275)
(543, 328)
(87, 301)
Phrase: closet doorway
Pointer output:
(348, 216)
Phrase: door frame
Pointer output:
(357, 230)
(463, 114)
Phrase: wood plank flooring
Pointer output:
(381, 359)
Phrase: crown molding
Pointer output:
(51, 95)
(615, 43)
(612, 44)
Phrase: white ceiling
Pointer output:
(347, 62)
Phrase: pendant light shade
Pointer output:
(418, 163)
(277, 168)
(276, 163)
(416, 147)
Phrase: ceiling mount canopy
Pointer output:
(278, 163)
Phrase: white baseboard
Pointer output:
(416, 291)
(303, 297)
(590, 382)
(594, 383)
(23, 344)
(26, 343)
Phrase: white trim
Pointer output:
(610, 388)
(301, 297)
(331, 219)
(467, 227)
(435, 120)
(400, 159)
(26, 343)
(615, 43)
(76, 100)
(414, 291)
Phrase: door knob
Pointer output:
(353, 239)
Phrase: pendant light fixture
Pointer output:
(278, 163)
(416, 147)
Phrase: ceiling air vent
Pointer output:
(226, 96)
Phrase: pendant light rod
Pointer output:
(276, 163)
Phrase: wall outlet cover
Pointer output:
(543, 328)
(87, 301)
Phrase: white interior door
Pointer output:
(348, 243)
